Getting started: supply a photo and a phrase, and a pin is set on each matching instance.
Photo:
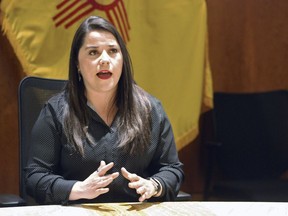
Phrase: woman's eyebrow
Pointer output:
(91, 47)
(96, 47)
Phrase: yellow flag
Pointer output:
(167, 40)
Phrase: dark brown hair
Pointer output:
(134, 126)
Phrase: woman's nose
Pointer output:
(104, 58)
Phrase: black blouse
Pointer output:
(53, 168)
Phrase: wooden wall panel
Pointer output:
(248, 44)
(11, 74)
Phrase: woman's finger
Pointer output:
(130, 176)
(103, 168)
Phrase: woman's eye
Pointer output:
(93, 52)
(114, 50)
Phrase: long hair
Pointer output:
(134, 108)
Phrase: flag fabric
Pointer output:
(167, 41)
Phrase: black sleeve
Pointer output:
(169, 169)
(43, 181)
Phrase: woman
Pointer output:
(103, 139)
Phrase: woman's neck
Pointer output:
(104, 105)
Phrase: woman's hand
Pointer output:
(95, 184)
(142, 186)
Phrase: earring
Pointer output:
(79, 76)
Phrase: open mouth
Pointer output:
(104, 74)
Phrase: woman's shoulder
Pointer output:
(152, 99)
(155, 103)
(57, 101)
(156, 108)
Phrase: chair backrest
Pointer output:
(33, 93)
(253, 130)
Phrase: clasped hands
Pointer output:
(96, 184)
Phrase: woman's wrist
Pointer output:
(75, 193)
(157, 186)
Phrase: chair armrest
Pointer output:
(183, 196)
(11, 200)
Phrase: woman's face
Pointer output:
(100, 62)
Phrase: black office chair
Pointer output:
(33, 93)
(250, 152)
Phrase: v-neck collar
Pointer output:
(96, 117)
